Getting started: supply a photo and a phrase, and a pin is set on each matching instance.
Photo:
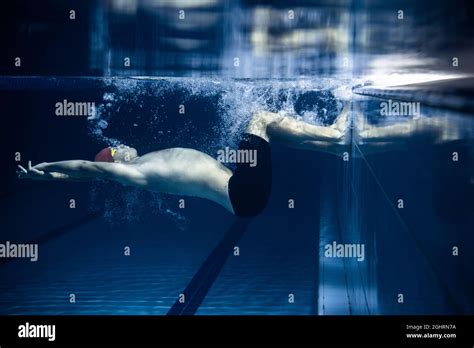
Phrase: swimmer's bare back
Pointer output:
(188, 172)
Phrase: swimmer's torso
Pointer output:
(187, 172)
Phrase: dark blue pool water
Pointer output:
(281, 250)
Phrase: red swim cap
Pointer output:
(104, 155)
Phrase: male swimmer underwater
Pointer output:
(188, 172)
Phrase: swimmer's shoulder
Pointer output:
(163, 154)
(145, 158)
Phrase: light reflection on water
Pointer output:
(253, 39)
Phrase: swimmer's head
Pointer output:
(117, 154)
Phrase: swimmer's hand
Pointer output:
(30, 173)
(49, 171)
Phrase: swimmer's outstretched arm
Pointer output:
(30, 172)
(81, 170)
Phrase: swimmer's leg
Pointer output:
(374, 139)
(342, 122)
(435, 130)
(400, 131)
(299, 134)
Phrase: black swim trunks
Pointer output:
(249, 187)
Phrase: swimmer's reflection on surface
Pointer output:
(244, 192)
